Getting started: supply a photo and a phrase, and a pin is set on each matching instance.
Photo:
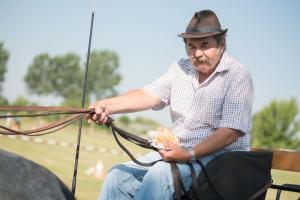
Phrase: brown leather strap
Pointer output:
(136, 140)
(43, 108)
(261, 191)
(55, 126)
(175, 180)
(76, 114)
(178, 184)
(194, 180)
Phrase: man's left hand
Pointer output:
(175, 153)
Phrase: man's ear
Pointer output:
(223, 45)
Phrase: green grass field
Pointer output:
(59, 158)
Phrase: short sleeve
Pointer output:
(161, 87)
(238, 102)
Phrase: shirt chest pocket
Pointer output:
(208, 113)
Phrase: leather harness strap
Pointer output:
(43, 108)
(49, 128)
(75, 114)
(176, 181)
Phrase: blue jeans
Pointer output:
(131, 181)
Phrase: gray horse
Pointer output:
(22, 179)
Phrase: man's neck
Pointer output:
(202, 77)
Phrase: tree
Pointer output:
(277, 125)
(3, 101)
(102, 77)
(59, 76)
(22, 101)
(62, 76)
(4, 55)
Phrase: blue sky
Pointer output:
(262, 34)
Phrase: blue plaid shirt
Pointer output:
(224, 100)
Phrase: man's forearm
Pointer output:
(131, 101)
(221, 138)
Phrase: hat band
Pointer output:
(203, 30)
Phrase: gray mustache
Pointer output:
(201, 60)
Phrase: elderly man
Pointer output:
(210, 96)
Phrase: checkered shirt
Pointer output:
(197, 110)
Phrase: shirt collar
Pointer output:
(224, 63)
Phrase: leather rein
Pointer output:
(74, 114)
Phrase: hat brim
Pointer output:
(201, 35)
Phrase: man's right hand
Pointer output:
(101, 112)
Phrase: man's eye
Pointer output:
(205, 45)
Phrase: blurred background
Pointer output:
(43, 47)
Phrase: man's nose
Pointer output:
(198, 53)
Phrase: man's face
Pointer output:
(204, 53)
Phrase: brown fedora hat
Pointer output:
(204, 23)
